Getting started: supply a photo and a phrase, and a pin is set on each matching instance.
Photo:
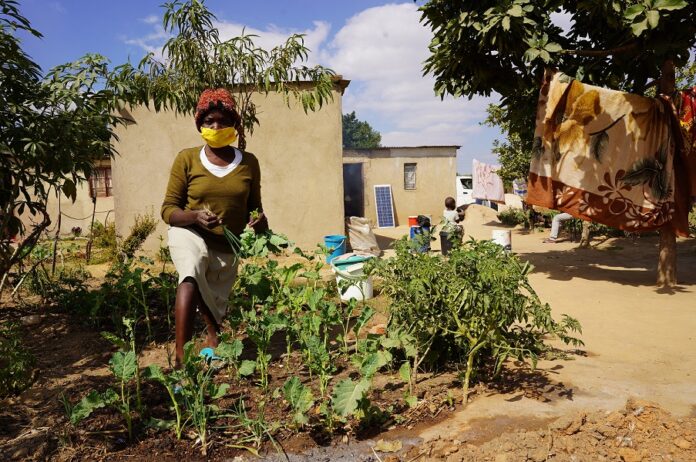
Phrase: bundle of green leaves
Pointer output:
(252, 244)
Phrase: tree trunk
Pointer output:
(585, 236)
(667, 263)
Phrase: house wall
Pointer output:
(78, 213)
(436, 170)
(300, 157)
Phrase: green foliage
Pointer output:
(514, 152)
(300, 399)
(124, 367)
(692, 222)
(104, 236)
(252, 244)
(16, 363)
(84, 408)
(347, 395)
(479, 48)
(476, 304)
(143, 226)
(358, 134)
(513, 217)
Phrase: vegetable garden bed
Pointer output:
(299, 368)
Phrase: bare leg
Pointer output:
(188, 298)
(211, 325)
(184, 309)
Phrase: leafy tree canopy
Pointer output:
(488, 46)
(358, 134)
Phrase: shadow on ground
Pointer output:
(609, 263)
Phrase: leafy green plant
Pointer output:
(198, 390)
(250, 429)
(260, 327)
(143, 226)
(478, 303)
(170, 383)
(16, 362)
(300, 399)
(251, 244)
(122, 366)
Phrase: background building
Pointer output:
(421, 177)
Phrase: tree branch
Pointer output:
(603, 53)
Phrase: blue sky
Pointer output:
(379, 46)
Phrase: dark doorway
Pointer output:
(353, 190)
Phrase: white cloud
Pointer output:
(382, 50)
(152, 19)
(152, 42)
(267, 39)
(273, 36)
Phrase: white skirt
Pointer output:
(213, 271)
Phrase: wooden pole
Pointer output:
(667, 262)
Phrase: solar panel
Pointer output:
(384, 206)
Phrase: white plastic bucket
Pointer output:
(503, 237)
(360, 288)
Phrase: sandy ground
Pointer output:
(639, 341)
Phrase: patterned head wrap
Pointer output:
(219, 99)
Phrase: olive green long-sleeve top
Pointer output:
(232, 197)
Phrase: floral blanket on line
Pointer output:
(608, 156)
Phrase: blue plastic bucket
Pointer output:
(420, 230)
(336, 245)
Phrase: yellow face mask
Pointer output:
(219, 138)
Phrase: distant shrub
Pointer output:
(142, 228)
(104, 236)
(513, 217)
(16, 363)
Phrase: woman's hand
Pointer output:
(258, 222)
(205, 219)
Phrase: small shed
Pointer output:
(420, 178)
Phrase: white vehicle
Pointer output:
(465, 189)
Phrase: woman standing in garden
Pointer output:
(209, 186)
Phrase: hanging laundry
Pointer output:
(519, 187)
(487, 184)
(686, 110)
(608, 156)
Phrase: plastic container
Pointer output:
(502, 237)
(351, 278)
(446, 241)
(413, 220)
(336, 244)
